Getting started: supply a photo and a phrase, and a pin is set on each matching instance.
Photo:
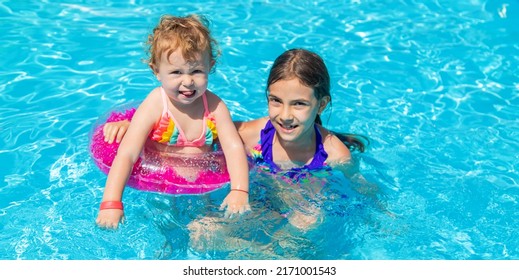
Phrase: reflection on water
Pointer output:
(317, 220)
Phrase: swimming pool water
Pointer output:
(433, 84)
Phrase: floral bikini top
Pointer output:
(262, 155)
(167, 131)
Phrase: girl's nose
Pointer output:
(187, 81)
(286, 114)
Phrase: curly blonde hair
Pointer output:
(190, 33)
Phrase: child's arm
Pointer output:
(248, 131)
(337, 151)
(237, 201)
(109, 215)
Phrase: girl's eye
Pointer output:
(175, 72)
(300, 104)
(274, 100)
(198, 71)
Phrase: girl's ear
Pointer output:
(323, 103)
(155, 71)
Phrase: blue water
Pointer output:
(433, 84)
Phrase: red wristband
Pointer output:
(240, 190)
(111, 205)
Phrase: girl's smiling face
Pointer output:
(293, 108)
(183, 81)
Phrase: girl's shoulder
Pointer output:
(253, 127)
(154, 96)
(250, 131)
(152, 102)
(212, 98)
(214, 103)
(257, 124)
(334, 147)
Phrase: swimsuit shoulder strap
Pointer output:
(206, 106)
(267, 138)
(320, 155)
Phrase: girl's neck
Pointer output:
(302, 144)
(301, 151)
(192, 109)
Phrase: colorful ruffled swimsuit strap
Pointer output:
(262, 153)
(167, 130)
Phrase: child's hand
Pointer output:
(236, 202)
(109, 218)
(115, 130)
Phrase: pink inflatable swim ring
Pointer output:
(157, 171)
